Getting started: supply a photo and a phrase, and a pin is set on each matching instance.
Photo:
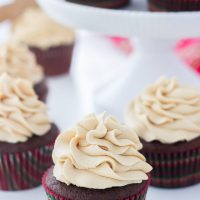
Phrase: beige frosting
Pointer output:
(17, 60)
(99, 153)
(22, 115)
(166, 111)
(36, 29)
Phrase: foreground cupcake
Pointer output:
(174, 5)
(26, 135)
(19, 62)
(97, 159)
(103, 3)
(166, 117)
(52, 43)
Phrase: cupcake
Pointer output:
(26, 135)
(97, 159)
(50, 42)
(19, 62)
(166, 117)
(174, 5)
(102, 3)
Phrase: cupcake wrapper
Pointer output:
(55, 60)
(176, 169)
(51, 195)
(174, 5)
(103, 3)
(41, 90)
(24, 170)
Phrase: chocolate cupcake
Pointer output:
(166, 117)
(102, 3)
(97, 159)
(174, 5)
(51, 43)
(19, 62)
(26, 135)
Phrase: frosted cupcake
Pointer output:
(97, 159)
(174, 5)
(26, 135)
(19, 62)
(52, 43)
(166, 117)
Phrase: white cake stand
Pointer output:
(155, 35)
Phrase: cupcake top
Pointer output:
(166, 111)
(36, 29)
(22, 115)
(17, 60)
(99, 153)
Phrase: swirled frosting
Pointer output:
(22, 115)
(99, 153)
(41, 32)
(17, 60)
(166, 111)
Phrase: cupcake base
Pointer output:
(41, 90)
(59, 191)
(102, 3)
(55, 60)
(174, 5)
(23, 164)
(175, 165)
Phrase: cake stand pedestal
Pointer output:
(155, 37)
(150, 61)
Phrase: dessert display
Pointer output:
(26, 135)
(102, 3)
(174, 5)
(166, 117)
(97, 159)
(51, 43)
(19, 62)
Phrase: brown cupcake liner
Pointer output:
(52, 195)
(41, 90)
(173, 168)
(103, 3)
(174, 5)
(23, 170)
(54, 60)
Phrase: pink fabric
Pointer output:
(188, 49)
(123, 44)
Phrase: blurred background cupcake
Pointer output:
(51, 42)
(18, 61)
(166, 117)
(97, 159)
(26, 135)
(102, 3)
(174, 5)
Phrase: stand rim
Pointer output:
(132, 23)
